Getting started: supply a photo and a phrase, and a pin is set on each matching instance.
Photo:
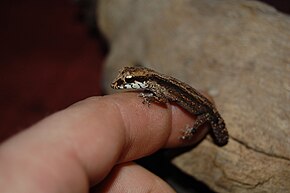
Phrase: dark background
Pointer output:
(49, 59)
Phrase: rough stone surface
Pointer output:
(237, 51)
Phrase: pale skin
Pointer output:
(94, 141)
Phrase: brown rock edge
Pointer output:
(237, 50)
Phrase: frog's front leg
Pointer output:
(149, 97)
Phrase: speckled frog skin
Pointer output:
(161, 88)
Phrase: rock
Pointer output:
(236, 50)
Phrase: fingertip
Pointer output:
(93, 135)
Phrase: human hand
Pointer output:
(93, 142)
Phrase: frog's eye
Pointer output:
(129, 79)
